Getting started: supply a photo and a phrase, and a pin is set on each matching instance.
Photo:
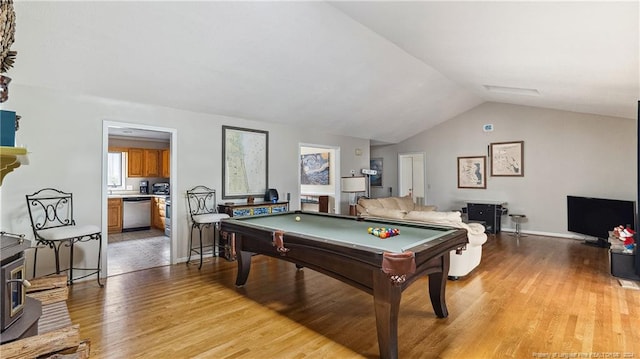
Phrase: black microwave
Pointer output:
(161, 188)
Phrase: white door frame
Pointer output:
(106, 124)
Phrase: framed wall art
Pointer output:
(507, 159)
(245, 159)
(314, 169)
(472, 172)
(376, 164)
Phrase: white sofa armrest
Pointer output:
(476, 234)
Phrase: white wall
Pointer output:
(63, 133)
(564, 153)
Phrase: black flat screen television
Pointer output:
(597, 216)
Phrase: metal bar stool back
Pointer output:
(54, 226)
(204, 214)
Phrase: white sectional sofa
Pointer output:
(403, 208)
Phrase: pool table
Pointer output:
(341, 247)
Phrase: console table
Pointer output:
(226, 246)
(253, 209)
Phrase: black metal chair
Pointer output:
(204, 214)
(53, 224)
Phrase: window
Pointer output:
(116, 170)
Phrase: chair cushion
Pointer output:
(68, 232)
(209, 217)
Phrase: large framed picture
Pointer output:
(376, 164)
(507, 159)
(472, 172)
(245, 159)
(314, 169)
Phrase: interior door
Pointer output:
(411, 176)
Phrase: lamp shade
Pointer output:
(354, 184)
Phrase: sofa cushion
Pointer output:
(425, 208)
(386, 213)
(389, 203)
(367, 203)
(405, 203)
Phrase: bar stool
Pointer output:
(204, 214)
(518, 219)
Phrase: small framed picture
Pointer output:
(472, 172)
(376, 164)
(507, 159)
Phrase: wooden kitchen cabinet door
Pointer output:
(152, 163)
(135, 162)
(158, 216)
(166, 166)
(114, 215)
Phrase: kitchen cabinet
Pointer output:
(135, 162)
(158, 215)
(146, 162)
(114, 215)
(151, 163)
(165, 165)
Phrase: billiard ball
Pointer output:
(297, 218)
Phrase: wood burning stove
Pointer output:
(12, 278)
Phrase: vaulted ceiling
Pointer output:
(382, 70)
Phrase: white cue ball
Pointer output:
(297, 218)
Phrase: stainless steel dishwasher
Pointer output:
(136, 214)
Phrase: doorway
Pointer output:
(125, 252)
(319, 177)
(411, 174)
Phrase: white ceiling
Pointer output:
(378, 70)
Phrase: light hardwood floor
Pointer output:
(536, 297)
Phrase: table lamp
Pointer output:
(353, 185)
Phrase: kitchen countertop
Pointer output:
(129, 195)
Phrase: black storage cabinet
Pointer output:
(622, 264)
(490, 213)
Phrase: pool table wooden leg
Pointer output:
(386, 301)
(437, 285)
(244, 266)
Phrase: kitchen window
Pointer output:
(116, 170)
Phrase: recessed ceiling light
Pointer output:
(512, 90)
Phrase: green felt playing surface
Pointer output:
(349, 232)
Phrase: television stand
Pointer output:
(600, 242)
